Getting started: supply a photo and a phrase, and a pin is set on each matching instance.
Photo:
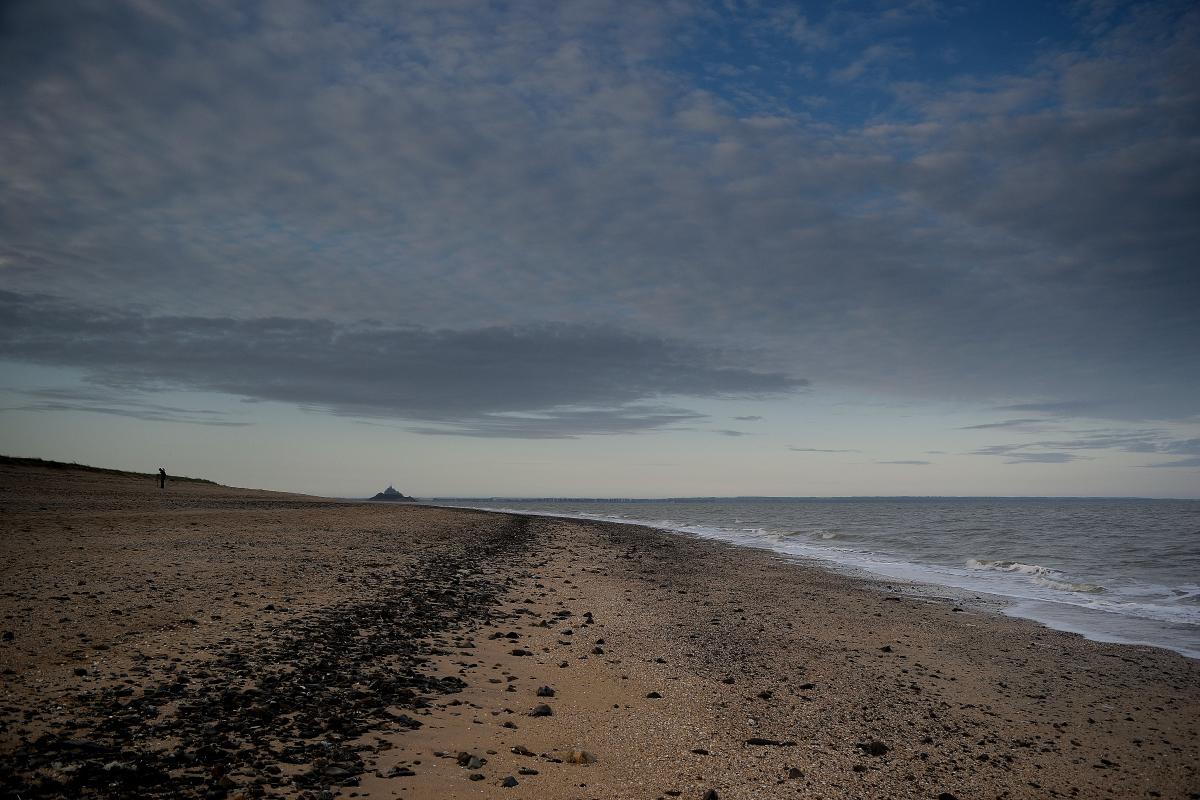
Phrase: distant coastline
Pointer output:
(848, 499)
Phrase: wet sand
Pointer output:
(235, 642)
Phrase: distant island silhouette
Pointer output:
(392, 495)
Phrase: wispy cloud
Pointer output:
(1012, 423)
(1066, 450)
(118, 404)
(909, 463)
(819, 450)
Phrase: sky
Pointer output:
(605, 249)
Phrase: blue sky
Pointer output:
(616, 249)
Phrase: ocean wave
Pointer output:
(1042, 576)
(1067, 586)
(1011, 566)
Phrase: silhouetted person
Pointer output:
(162, 478)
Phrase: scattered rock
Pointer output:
(946, 796)
(710, 794)
(654, 696)
(580, 756)
(764, 694)
(509, 724)
(509, 782)
(527, 770)
(476, 776)
(519, 652)
(80, 671)
(542, 710)
(597, 651)
(860, 768)
(804, 687)
(700, 751)
(794, 773)
(887, 648)
(523, 751)
(545, 691)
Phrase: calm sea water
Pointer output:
(1123, 571)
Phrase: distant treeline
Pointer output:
(872, 499)
(38, 462)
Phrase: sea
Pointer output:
(1112, 570)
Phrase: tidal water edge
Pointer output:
(1121, 571)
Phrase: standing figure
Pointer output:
(162, 478)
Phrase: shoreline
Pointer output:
(266, 644)
(1094, 624)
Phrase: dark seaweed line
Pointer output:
(299, 697)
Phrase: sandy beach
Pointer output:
(204, 641)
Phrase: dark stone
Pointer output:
(542, 710)
(804, 687)
(700, 751)
(527, 771)
(887, 648)
(80, 671)
(758, 742)
(764, 694)
(509, 782)
(545, 691)
(795, 773)
(710, 794)
(946, 796)
(654, 696)
(476, 776)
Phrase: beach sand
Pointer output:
(203, 641)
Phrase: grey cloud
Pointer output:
(119, 404)
(563, 424)
(725, 432)
(1050, 451)
(1183, 462)
(819, 450)
(910, 463)
(538, 380)
(1012, 423)
(748, 419)
(487, 166)
(1043, 458)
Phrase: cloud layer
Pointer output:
(541, 178)
(545, 380)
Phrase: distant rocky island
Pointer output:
(392, 495)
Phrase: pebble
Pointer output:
(509, 782)
(542, 710)
(545, 691)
